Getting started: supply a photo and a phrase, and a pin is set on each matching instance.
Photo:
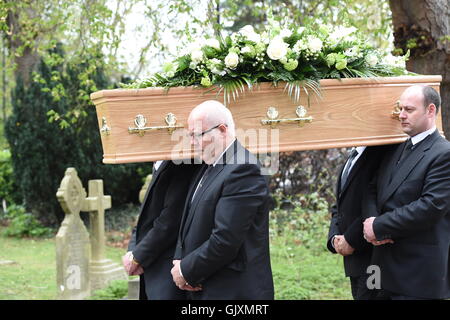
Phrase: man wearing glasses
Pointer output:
(223, 244)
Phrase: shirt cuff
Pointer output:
(181, 273)
(332, 242)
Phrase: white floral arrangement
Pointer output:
(299, 56)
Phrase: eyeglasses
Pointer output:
(199, 135)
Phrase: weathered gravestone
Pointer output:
(102, 270)
(143, 191)
(72, 241)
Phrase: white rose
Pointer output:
(231, 60)
(197, 56)
(277, 49)
(315, 44)
(214, 43)
(371, 60)
(300, 30)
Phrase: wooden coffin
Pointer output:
(350, 112)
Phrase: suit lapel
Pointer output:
(229, 157)
(155, 177)
(353, 172)
(406, 166)
(338, 186)
(391, 167)
(199, 194)
(187, 204)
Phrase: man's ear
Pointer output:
(223, 128)
(431, 109)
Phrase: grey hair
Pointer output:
(216, 113)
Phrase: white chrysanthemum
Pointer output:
(277, 49)
(265, 37)
(372, 60)
(314, 44)
(395, 61)
(197, 56)
(215, 61)
(285, 33)
(214, 43)
(246, 49)
(249, 33)
(340, 33)
(232, 60)
(299, 46)
(352, 52)
(300, 30)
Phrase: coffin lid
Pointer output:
(324, 83)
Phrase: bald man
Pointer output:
(223, 243)
(409, 210)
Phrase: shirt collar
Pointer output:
(419, 137)
(360, 149)
(224, 151)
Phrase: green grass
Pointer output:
(33, 277)
(304, 273)
(299, 272)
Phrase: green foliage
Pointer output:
(8, 187)
(24, 224)
(307, 222)
(49, 132)
(302, 266)
(116, 290)
(300, 273)
(122, 217)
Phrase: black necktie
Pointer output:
(407, 148)
(347, 168)
(202, 180)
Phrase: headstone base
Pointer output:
(133, 288)
(102, 272)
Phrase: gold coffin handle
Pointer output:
(140, 121)
(272, 114)
(105, 129)
(396, 113)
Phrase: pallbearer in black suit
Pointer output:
(346, 229)
(409, 209)
(152, 244)
(223, 244)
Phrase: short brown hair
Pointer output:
(431, 96)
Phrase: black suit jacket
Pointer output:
(347, 212)
(224, 238)
(413, 210)
(154, 237)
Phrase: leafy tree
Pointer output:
(42, 149)
(423, 27)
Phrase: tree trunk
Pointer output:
(28, 58)
(423, 26)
